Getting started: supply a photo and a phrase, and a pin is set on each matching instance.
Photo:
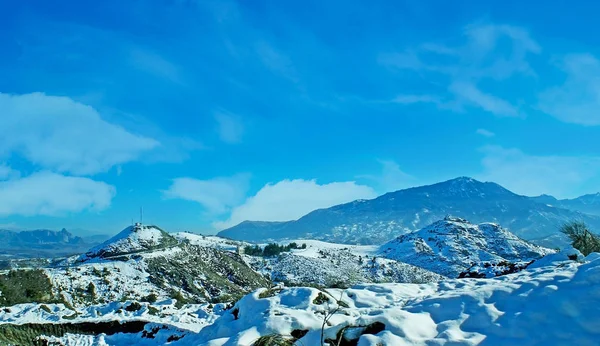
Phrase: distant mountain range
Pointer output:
(589, 204)
(388, 216)
(44, 243)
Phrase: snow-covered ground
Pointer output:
(209, 241)
(191, 317)
(554, 303)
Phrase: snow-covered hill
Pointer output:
(132, 239)
(141, 263)
(553, 304)
(383, 218)
(450, 246)
(330, 264)
(337, 265)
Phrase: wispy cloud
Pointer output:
(216, 195)
(471, 95)
(155, 64)
(409, 99)
(578, 99)
(276, 61)
(485, 133)
(462, 69)
(391, 177)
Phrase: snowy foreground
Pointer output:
(553, 302)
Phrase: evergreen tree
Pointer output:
(582, 239)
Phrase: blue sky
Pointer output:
(207, 113)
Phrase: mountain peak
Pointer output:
(465, 179)
(136, 238)
(462, 187)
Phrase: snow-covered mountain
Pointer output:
(381, 219)
(451, 246)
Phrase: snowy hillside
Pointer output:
(141, 263)
(383, 218)
(209, 241)
(330, 264)
(327, 264)
(450, 246)
(555, 304)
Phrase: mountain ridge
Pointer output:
(385, 217)
(42, 243)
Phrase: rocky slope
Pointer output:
(451, 246)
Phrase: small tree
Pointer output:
(581, 238)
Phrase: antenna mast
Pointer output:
(141, 215)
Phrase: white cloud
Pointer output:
(53, 194)
(292, 199)
(526, 174)
(60, 134)
(460, 69)
(230, 127)
(578, 99)
(485, 133)
(217, 195)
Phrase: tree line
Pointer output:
(271, 249)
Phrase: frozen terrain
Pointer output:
(147, 287)
(555, 303)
